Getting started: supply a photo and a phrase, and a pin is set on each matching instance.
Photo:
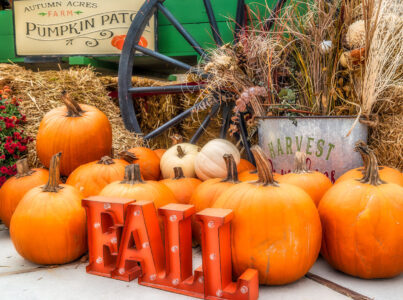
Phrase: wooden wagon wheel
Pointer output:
(126, 90)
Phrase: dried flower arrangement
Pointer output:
(341, 57)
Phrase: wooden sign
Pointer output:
(125, 243)
(64, 27)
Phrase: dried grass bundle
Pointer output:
(381, 89)
(40, 92)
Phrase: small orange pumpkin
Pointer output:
(148, 161)
(81, 132)
(182, 187)
(276, 227)
(208, 191)
(385, 173)
(160, 152)
(91, 178)
(363, 224)
(134, 187)
(15, 188)
(49, 224)
(313, 182)
(244, 166)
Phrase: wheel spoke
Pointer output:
(150, 90)
(170, 123)
(213, 23)
(244, 137)
(163, 57)
(205, 123)
(239, 19)
(274, 14)
(181, 29)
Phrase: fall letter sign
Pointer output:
(125, 243)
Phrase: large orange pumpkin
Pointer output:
(134, 187)
(149, 162)
(208, 191)
(244, 166)
(387, 174)
(182, 187)
(276, 227)
(49, 224)
(15, 188)
(313, 182)
(363, 225)
(81, 132)
(91, 178)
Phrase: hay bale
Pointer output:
(386, 139)
(40, 92)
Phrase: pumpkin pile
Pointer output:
(280, 224)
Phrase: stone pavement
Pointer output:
(20, 279)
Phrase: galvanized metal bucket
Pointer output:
(324, 140)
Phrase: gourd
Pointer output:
(160, 152)
(313, 182)
(49, 224)
(92, 177)
(148, 161)
(81, 132)
(276, 227)
(207, 192)
(182, 187)
(179, 155)
(209, 163)
(363, 225)
(15, 188)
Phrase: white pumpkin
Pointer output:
(180, 155)
(209, 162)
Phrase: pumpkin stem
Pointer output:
(54, 175)
(132, 174)
(181, 153)
(73, 108)
(358, 145)
(106, 160)
(23, 168)
(263, 168)
(232, 172)
(178, 173)
(300, 163)
(128, 156)
(371, 175)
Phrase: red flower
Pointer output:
(2, 107)
(4, 170)
(3, 157)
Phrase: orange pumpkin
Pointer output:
(134, 187)
(245, 166)
(160, 152)
(252, 176)
(276, 227)
(363, 225)
(182, 187)
(149, 162)
(208, 191)
(313, 182)
(385, 173)
(91, 178)
(81, 132)
(49, 224)
(15, 188)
